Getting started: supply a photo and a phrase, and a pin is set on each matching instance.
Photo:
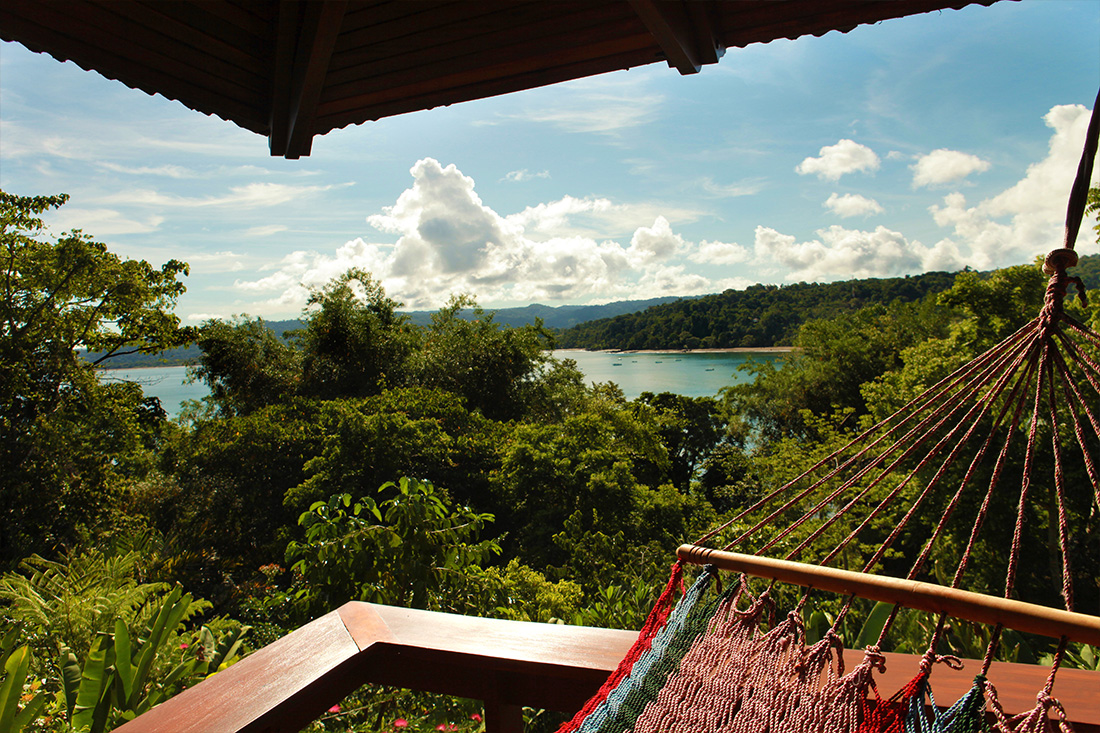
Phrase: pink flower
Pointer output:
(334, 709)
(476, 717)
(441, 726)
(183, 646)
(400, 723)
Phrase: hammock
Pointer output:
(733, 662)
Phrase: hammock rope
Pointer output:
(720, 666)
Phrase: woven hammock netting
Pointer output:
(1013, 434)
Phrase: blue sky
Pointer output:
(932, 142)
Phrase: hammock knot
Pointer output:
(1055, 265)
(930, 658)
(873, 657)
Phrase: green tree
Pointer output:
(412, 548)
(690, 428)
(495, 369)
(837, 356)
(58, 299)
(355, 343)
(246, 365)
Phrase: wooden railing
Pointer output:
(507, 664)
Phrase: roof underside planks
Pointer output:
(294, 69)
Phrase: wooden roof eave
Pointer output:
(294, 69)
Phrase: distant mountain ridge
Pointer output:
(553, 317)
(759, 316)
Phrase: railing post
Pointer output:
(502, 718)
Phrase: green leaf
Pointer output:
(124, 668)
(172, 607)
(70, 681)
(29, 713)
(94, 680)
(872, 627)
(16, 668)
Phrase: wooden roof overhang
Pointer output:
(294, 69)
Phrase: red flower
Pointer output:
(400, 723)
(476, 717)
(334, 709)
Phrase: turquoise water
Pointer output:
(692, 374)
(167, 383)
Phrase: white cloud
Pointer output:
(448, 241)
(730, 190)
(208, 262)
(166, 171)
(945, 166)
(524, 175)
(847, 156)
(250, 195)
(840, 253)
(101, 222)
(553, 217)
(655, 242)
(719, 253)
(605, 105)
(852, 204)
(265, 230)
(1028, 219)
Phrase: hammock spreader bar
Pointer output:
(1018, 615)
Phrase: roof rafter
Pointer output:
(306, 34)
(683, 30)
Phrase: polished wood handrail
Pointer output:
(985, 609)
(508, 664)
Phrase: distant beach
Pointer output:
(730, 350)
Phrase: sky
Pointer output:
(933, 142)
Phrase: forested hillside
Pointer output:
(761, 315)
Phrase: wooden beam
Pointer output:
(287, 19)
(963, 604)
(312, 28)
(708, 38)
(669, 24)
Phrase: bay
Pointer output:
(690, 373)
(693, 374)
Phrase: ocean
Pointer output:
(694, 374)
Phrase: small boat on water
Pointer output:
(617, 363)
(658, 362)
(710, 369)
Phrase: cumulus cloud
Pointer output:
(840, 254)
(655, 242)
(945, 166)
(847, 156)
(852, 204)
(447, 240)
(524, 175)
(1027, 219)
(719, 253)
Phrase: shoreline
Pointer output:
(729, 350)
